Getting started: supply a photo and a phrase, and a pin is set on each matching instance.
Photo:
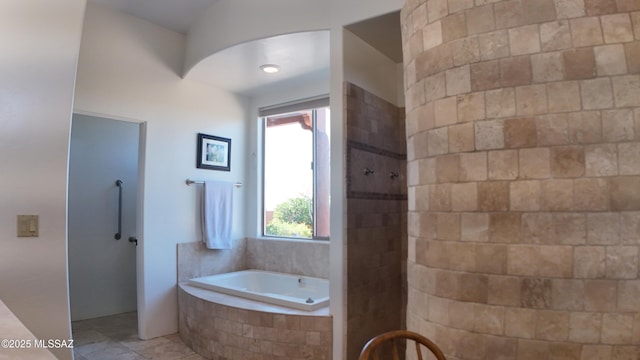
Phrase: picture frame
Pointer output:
(213, 152)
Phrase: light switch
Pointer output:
(28, 226)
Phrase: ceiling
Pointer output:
(301, 56)
(177, 15)
(383, 33)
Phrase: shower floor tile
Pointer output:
(116, 337)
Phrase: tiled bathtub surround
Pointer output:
(303, 257)
(376, 220)
(523, 131)
(309, 258)
(238, 329)
(219, 326)
(195, 260)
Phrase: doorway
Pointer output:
(103, 187)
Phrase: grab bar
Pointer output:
(119, 184)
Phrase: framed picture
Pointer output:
(214, 152)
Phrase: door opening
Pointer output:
(103, 196)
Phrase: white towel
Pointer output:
(217, 211)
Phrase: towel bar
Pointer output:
(189, 182)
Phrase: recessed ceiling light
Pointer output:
(270, 68)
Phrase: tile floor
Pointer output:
(116, 337)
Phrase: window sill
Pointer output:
(293, 240)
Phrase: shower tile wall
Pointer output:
(376, 217)
(523, 132)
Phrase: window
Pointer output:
(296, 170)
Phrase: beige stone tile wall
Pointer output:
(195, 260)
(217, 331)
(302, 257)
(523, 138)
(309, 258)
(376, 241)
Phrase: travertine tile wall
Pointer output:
(523, 132)
(221, 332)
(195, 260)
(303, 257)
(309, 258)
(376, 217)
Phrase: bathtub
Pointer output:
(297, 292)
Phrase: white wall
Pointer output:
(371, 70)
(129, 69)
(39, 42)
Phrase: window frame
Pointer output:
(312, 105)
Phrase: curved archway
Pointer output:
(301, 56)
(228, 23)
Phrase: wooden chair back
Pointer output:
(394, 342)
